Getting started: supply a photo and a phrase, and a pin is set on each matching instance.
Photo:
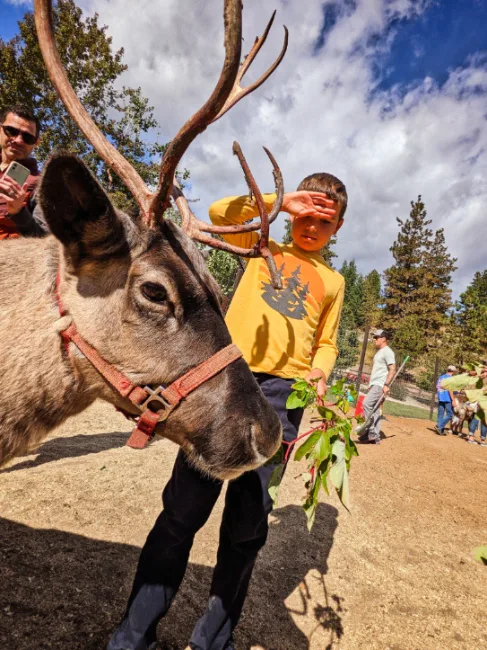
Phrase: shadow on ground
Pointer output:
(72, 447)
(60, 590)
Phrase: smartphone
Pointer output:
(18, 173)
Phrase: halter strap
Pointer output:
(154, 405)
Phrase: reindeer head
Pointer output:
(139, 292)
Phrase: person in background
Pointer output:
(473, 425)
(383, 370)
(446, 402)
(19, 135)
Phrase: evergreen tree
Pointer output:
(354, 292)
(287, 238)
(372, 299)
(347, 340)
(223, 266)
(327, 252)
(92, 66)
(471, 316)
(439, 266)
(417, 293)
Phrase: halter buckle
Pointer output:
(157, 403)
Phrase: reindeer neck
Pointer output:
(42, 388)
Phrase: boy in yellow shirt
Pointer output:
(282, 334)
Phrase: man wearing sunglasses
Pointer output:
(19, 134)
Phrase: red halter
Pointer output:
(154, 405)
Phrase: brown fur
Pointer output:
(104, 259)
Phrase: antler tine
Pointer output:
(263, 243)
(59, 78)
(255, 192)
(196, 228)
(202, 118)
(238, 92)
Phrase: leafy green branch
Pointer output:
(480, 554)
(472, 383)
(328, 448)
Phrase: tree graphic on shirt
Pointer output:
(290, 301)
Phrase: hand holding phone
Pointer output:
(11, 187)
(17, 172)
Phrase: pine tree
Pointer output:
(439, 266)
(417, 293)
(288, 238)
(347, 340)
(372, 299)
(354, 292)
(223, 266)
(327, 252)
(92, 66)
(471, 316)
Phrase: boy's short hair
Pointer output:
(23, 112)
(328, 184)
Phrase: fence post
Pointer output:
(433, 394)
(362, 359)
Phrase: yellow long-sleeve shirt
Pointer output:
(284, 333)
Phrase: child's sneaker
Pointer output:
(483, 442)
(472, 441)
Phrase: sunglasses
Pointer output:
(13, 132)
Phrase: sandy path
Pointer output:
(396, 574)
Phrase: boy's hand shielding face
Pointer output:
(310, 204)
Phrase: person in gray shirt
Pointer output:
(383, 371)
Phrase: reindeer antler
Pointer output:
(59, 78)
(226, 94)
(196, 228)
(238, 92)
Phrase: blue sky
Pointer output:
(442, 37)
(390, 95)
(9, 15)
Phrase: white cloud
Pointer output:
(319, 113)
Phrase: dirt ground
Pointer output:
(397, 573)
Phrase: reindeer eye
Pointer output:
(154, 292)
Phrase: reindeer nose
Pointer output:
(265, 440)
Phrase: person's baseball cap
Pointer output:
(380, 333)
(451, 369)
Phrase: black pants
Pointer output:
(188, 500)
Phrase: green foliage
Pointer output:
(354, 293)
(471, 316)
(92, 66)
(352, 315)
(347, 340)
(372, 299)
(223, 266)
(327, 252)
(361, 306)
(480, 554)
(288, 238)
(417, 292)
(328, 448)
(471, 383)
(398, 391)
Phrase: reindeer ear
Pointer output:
(77, 210)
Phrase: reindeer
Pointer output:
(124, 309)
